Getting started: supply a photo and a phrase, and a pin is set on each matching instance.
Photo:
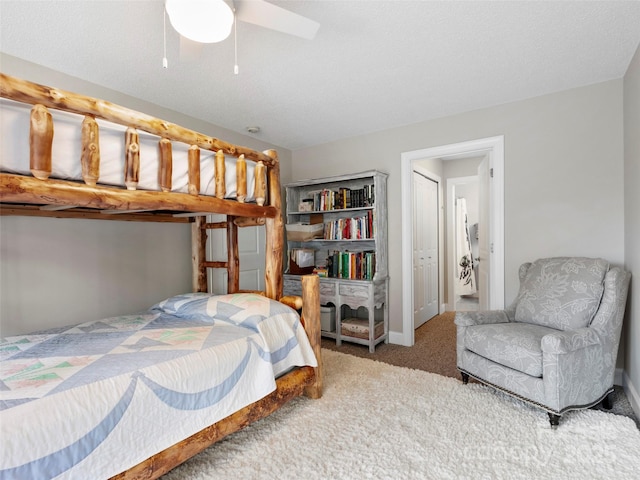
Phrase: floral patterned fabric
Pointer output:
(562, 293)
(567, 365)
(515, 345)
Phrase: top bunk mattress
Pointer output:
(67, 149)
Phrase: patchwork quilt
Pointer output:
(91, 400)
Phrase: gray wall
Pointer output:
(563, 175)
(61, 271)
(632, 226)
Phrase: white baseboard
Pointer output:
(396, 338)
(618, 377)
(632, 393)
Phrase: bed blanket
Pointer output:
(92, 400)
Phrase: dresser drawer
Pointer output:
(354, 290)
(327, 288)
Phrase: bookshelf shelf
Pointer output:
(327, 240)
(337, 210)
(352, 263)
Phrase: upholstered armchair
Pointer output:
(556, 345)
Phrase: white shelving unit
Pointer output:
(355, 236)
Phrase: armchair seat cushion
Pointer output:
(514, 345)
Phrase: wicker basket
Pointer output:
(359, 328)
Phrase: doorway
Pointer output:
(463, 224)
(493, 148)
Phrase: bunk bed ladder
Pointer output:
(199, 232)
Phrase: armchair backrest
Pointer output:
(561, 292)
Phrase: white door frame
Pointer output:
(494, 145)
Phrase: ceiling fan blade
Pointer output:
(268, 15)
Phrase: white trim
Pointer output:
(396, 338)
(618, 377)
(406, 173)
(632, 393)
(495, 145)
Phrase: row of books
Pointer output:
(342, 198)
(356, 228)
(351, 265)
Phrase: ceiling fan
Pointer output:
(210, 21)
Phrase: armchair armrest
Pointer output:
(570, 341)
(468, 319)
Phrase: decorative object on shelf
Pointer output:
(303, 232)
(301, 261)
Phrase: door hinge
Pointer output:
(491, 249)
(491, 172)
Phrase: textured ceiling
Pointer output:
(373, 64)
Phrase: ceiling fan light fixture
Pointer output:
(204, 21)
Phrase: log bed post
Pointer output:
(221, 189)
(311, 317)
(90, 158)
(131, 158)
(165, 171)
(194, 169)
(260, 188)
(40, 141)
(241, 178)
(198, 254)
(233, 259)
(274, 233)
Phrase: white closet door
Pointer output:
(425, 249)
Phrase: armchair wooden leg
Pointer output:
(607, 402)
(465, 377)
(554, 420)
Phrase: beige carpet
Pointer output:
(435, 351)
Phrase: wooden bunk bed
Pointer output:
(40, 194)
